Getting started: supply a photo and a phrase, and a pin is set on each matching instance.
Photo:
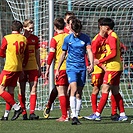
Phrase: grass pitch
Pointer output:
(106, 125)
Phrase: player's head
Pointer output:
(69, 21)
(99, 22)
(59, 24)
(108, 22)
(28, 25)
(76, 27)
(67, 15)
(17, 26)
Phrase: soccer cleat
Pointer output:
(33, 117)
(4, 118)
(16, 114)
(46, 112)
(75, 121)
(80, 117)
(93, 117)
(123, 118)
(61, 119)
(25, 117)
(114, 117)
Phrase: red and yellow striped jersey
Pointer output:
(14, 45)
(33, 45)
(56, 43)
(113, 43)
(98, 50)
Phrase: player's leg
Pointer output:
(8, 106)
(62, 86)
(52, 97)
(117, 96)
(9, 79)
(102, 102)
(62, 95)
(96, 82)
(76, 89)
(79, 101)
(33, 98)
(22, 99)
(120, 104)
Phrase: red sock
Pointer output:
(8, 98)
(52, 97)
(94, 102)
(63, 105)
(102, 102)
(33, 98)
(113, 105)
(8, 106)
(119, 102)
(22, 100)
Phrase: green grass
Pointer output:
(51, 126)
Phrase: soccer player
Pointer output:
(13, 48)
(55, 51)
(98, 49)
(32, 71)
(113, 70)
(99, 52)
(54, 92)
(75, 46)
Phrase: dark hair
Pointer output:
(59, 23)
(70, 18)
(16, 25)
(108, 22)
(99, 22)
(70, 13)
(76, 25)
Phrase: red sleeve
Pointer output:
(113, 44)
(94, 47)
(51, 55)
(50, 58)
(53, 43)
(3, 48)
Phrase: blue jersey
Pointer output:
(76, 49)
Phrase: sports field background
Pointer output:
(106, 125)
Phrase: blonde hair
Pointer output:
(27, 22)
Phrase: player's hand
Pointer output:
(90, 68)
(46, 76)
(96, 61)
(56, 74)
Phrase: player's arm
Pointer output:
(91, 58)
(95, 47)
(51, 56)
(3, 48)
(113, 47)
(62, 58)
(37, 54)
